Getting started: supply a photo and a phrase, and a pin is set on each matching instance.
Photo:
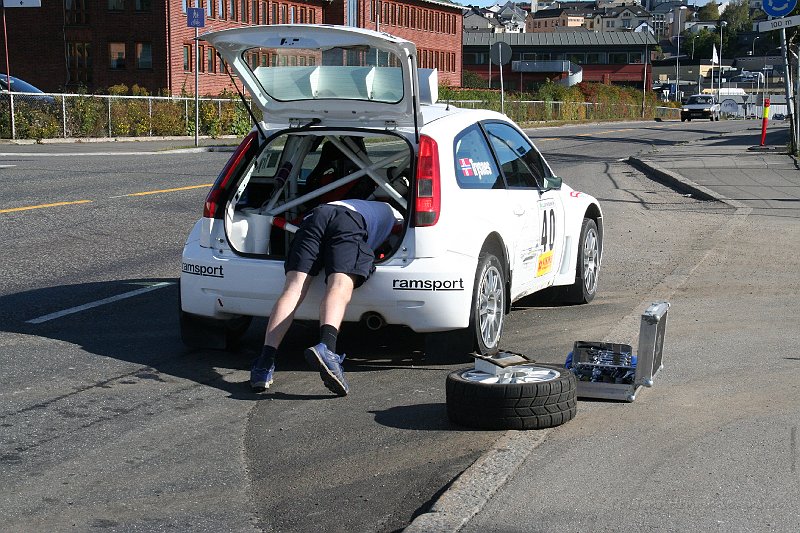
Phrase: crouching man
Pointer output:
(340, 237)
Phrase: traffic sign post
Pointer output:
(196, 18)
(779, 8)
(500, 54)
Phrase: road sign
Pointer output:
(22, 3)
(500, 53)
(195, 17)
(778, 8)
(777, 24)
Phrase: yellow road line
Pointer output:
(42, 206)
(145, 193)
(547, 139)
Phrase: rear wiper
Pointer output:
(241, 96)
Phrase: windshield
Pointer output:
(347, 73)
(700, 100)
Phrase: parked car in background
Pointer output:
(778, 116)
(22, 86)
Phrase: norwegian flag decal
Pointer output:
(466, 166)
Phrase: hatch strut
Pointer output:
(241, 95)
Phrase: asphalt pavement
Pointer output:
(712, 446)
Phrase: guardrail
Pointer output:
(57, 115)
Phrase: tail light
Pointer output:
(243, 154)
(427, 200)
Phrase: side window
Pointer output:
(521, 163)
(475, 166)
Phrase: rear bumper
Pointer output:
(431, 294)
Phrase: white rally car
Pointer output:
(347, 114)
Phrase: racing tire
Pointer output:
(486, 318)
(683, 119)
(533, 405)
(587, 269)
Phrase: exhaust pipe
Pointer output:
(374, 321)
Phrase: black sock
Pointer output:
(327, 336)
(267, 357)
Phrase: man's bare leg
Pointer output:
(337, 297)
(294, 291)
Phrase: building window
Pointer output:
(264, 12)
(79, 62)
(232, 9)
(208, 5)
(618, 58)
(144, 56)
(243, 15)
(187, 57)
(284, 15)
(312, 16)
(184, 6)
(292, 18)
(142, 5)
(116, 54)
(210, 60)
(221, 9)
(255, 13)
(116, 5)
(75, 11)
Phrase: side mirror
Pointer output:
(552, 182)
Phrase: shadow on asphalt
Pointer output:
(421, 417)
(145, 330)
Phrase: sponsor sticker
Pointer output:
(474, 168)
(428, 284)
(574, 194)
(202, 270)
(545, 204)
(545, 263)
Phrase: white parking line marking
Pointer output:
(72, 310)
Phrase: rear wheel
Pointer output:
(485, 318)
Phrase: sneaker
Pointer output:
(329, 365)
(261, 374)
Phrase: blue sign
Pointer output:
(778, 8)
(196, 17)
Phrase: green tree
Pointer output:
(737, 15)
(703, 42)
(708, 12)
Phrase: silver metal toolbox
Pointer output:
(611, 371)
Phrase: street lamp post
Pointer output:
(753, 48)
(677, 55)
(722, 24)
(678, 71)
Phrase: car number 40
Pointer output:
(547, 242)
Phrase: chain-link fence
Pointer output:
(53, 115)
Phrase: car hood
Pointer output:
(338, 75)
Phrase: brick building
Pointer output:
(67, 44)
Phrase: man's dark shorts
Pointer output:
(335, 237)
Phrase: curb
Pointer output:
(472, 490)
(676, 181)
